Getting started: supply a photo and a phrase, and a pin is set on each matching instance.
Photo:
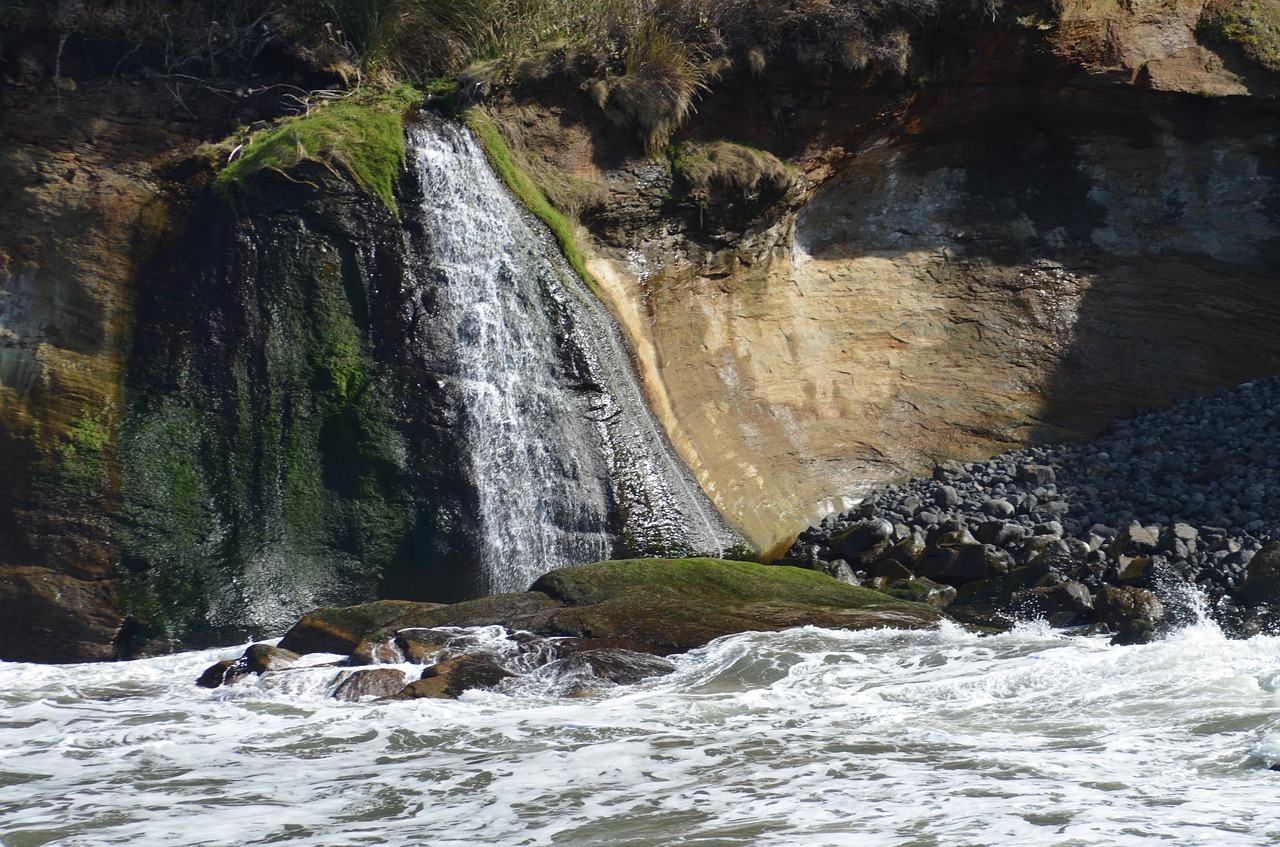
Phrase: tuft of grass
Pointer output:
(527, 190)
(361, 134)
(1254, 25)
(726, 168)
(662, 76)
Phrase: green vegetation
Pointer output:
(1254, 25)
(82, 464)
(526, 190)
(361, 133)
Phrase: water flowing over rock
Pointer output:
(346, 405)
(567, 463)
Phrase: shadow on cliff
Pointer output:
(1118, 248)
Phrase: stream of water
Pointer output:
(807, 737)
(567, 463)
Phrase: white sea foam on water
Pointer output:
(809, 737)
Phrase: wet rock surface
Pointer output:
(1124, 531)
(579, 630)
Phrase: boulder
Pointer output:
(256, 659)
(922, 590)
(340, 630)
(684, 603)
(374, 683)
(1063, 604)
(259, 658)
(343, 630)
(452, 676)
(379, 651)
(865, 542)
(614, 665)
(225, 672)
(1262, 580)
(956, 559)
(1134, 614)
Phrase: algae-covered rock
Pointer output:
(341, 630)
(684, 603)
(653, 605)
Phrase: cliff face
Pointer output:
(80, 205)
(1075, 218)
(1078, 225)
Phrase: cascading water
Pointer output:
(567, 464)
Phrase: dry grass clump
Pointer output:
(721, 170)
(655, 93)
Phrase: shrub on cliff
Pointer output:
(1254, 25)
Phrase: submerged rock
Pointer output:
(604, 623)
(685, 603)
(451, 677)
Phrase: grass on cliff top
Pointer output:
(527, 191)
(362, 135)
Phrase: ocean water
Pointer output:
(807, 737)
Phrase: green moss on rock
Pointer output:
(362, 134)
(664, 604)
(684, 603)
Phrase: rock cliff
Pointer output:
(1077, 220)
(1037, 228)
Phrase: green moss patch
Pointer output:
(527, 191)
(361, 134)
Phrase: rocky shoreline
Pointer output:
(588, 627)
(1112, 533)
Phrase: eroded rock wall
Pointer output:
(1058, 235)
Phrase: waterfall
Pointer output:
(567, 464)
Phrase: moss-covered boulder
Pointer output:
(655, 605)
(684, 603)
(342, 629)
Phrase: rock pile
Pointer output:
(1186, 496)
